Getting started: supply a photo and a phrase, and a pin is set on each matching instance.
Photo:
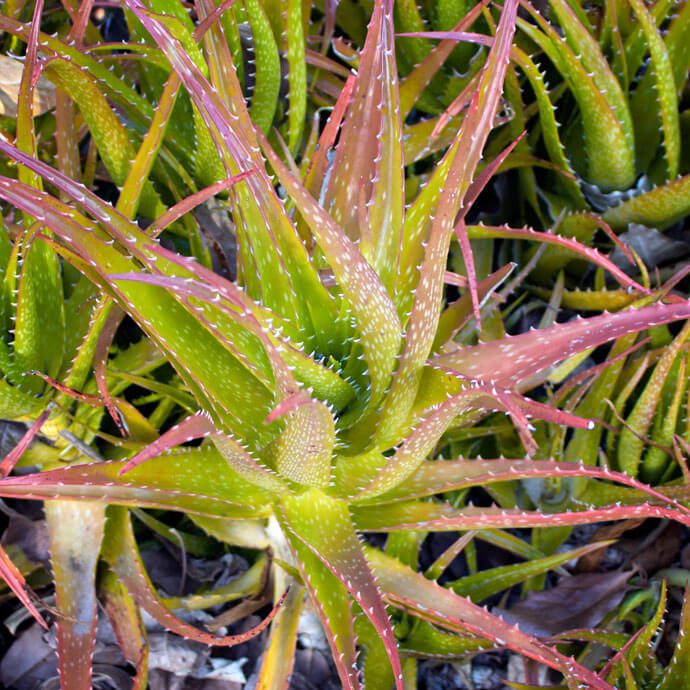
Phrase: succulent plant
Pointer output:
(324, 379)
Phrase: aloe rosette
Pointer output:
(325, 376)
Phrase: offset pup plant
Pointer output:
(325, 376)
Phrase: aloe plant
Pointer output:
(324, 378)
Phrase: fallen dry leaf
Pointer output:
(10, 78)
(578, 601)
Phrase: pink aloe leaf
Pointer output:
(514, 361)
(441, 517)
(460, 164)
(195, 426)
(16, 582)
(11, 459)
(122, 554)
(188, 203)
(75, 531)
(318, 164)
(479, 183)
(433, 422)
(414, 593)
(320, 526)
(441, 476)
(195, 480)
(365, 197)
(457, 313)
(589, 253)
(100, 361)
(468, 257)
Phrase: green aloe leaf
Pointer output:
(677, 670)
(424, 598)
(631, 441)
(112, 139)
(609, 145)
(297, 72)
(636, 654)
(482, 585)
(588, 52)
(319, 527)
(666, 96)
(659, 208)
(197, 480)
(279, 656)
(267, 68)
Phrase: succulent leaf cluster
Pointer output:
(307, 398)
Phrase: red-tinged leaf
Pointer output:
(100, 361)
(460, 103)
(420, 77)
(461, 161)
(456, 314)
(188, 203)
(377, 321)
(195, 426)
(414, 593)
(122, 554)
(468, 258)
(86, 398)
(16, 453)
(479, 183)
(197, 480)
(318, 165)
(75, 531)
(212, 18)
(418, 443)
(365, 196)
(15, 581)
(588, 253)
(441, 517)
(517, 360)
(126, 620)
(440, 476)
(320, 525)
